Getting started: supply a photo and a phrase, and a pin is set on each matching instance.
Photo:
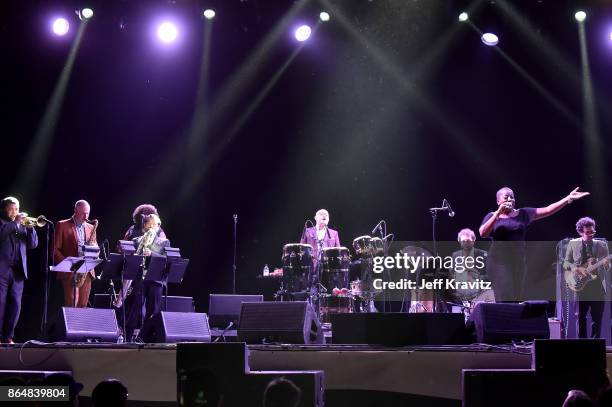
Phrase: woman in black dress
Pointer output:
(506, 261)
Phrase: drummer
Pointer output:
(320, 236)
(466, 238)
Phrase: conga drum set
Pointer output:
(325, 279)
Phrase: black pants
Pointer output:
(591, 299)
(11, 289)
(141, 304)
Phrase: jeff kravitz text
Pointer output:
(405, 263)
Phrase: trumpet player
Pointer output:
(145, 293)
(15, 240)
(70, 237)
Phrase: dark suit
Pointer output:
(144, 293)
(592, 297)
(14, 242)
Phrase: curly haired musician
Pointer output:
(147, 293)
(70, 236)
(138, 216)
(591, 297)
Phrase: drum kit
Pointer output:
(326, 280)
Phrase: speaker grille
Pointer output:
(273, 316)
(179, 323)
(90, 323)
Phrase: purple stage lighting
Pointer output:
(60, 26)
(489, 39)
(302, 33)
(167, 32)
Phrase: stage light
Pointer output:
(303, 33)
(85, 13)
(167, 32)
(209, 14)
(463, 17)
(580, 16)
(489, 39)
(324, 16)
(60, 26)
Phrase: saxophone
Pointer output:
(81, 277)
(145, 243)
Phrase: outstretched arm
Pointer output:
(557, 206)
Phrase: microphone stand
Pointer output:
(43, 323)
(234, 264)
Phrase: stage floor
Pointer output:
(431, 374)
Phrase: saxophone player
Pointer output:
(145, 293)
(70, 237)
(15, 240)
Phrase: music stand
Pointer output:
(174, 272)
(76, 265)
(155, 269)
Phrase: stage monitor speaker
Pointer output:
(231, 358)
(497, 323)
(580, 356)
(224, 309)
(279, 322)
(172, 327)
(84, 325)
(399, 329)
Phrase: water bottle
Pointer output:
(266, 271)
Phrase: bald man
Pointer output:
(70, 237)
(321, 236)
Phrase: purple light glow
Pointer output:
(302, 33)
(60, 26)
(167, 32)
(489, 39)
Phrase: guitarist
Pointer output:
(591, 297)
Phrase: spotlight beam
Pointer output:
(199, 120)
(191, 184)
(217, 111)
(594, 153)
(419, 100)
(571, 117)
(36, 159)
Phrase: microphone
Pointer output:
(377, 227)
(445, 208)
(451, 213)
(304, 229)
(43, 217)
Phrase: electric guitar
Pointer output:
(578, 277)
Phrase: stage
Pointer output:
(356, 375)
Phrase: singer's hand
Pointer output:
(504, 208)
(575, 195)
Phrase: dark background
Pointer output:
(378, 122)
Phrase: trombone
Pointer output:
(30, 221)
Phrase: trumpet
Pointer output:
(29, 221)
